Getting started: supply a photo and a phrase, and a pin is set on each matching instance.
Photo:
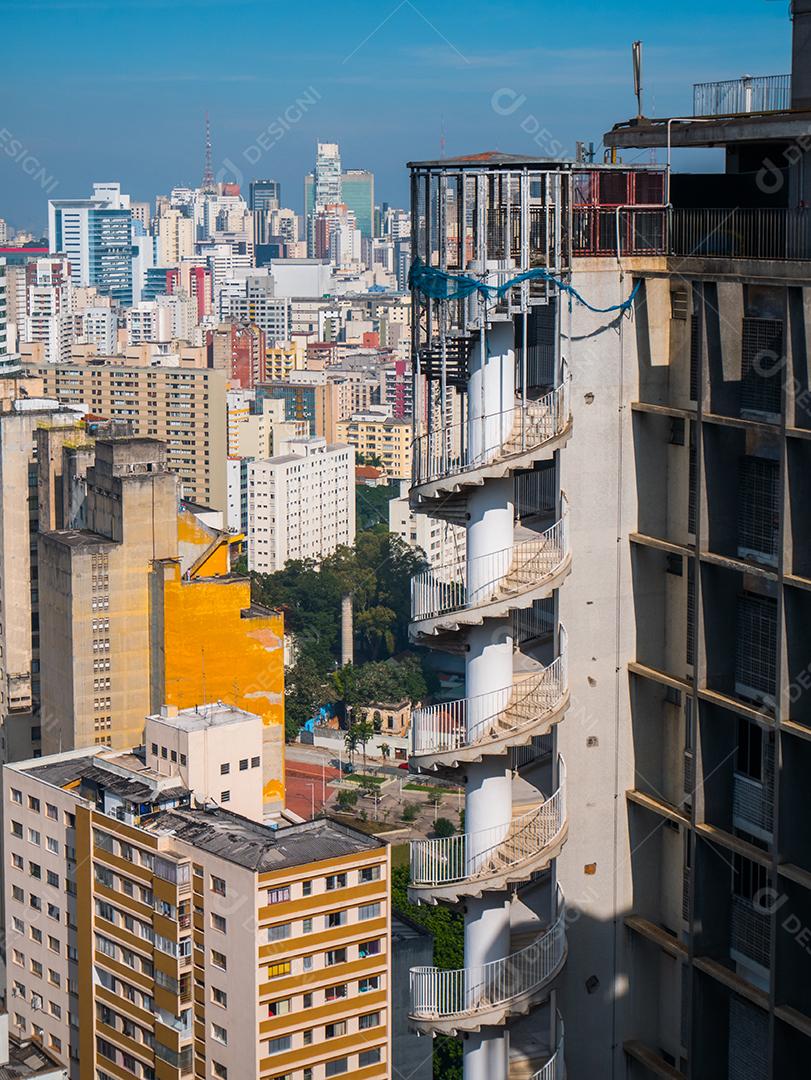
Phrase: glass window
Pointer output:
(336, 1067)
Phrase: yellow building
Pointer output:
(214, 644)
(284, 358)
(382, 438)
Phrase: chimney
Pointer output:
(347, 644)
(801, 55)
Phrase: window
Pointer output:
(52, 879)
(336, 881)
(335, 1030)
(225, 796)
(255, 761)
(306, 888)
(279, 896)
(279, 933)
(225, 769)
(308, 1036)
(18, 924)
(17, 861)
(36, 934)
(35, 870)
(278, 1046)
(218, 922)
(307, 1001)
(307, 926)
(279, 1008)
(368, 1020)
(369, 911)
(219, 997)
(336, 1067)
(17, 893)
(17, 796)
(54, 912)
(336, 993)
(53, 845)
(243, 764)
(218, 960)
(219, 1034)
(369, 873)
(217, 885)
(335, 956)
(369, 948)
(155, 749)
(33, 803)
(371, 983)
(51, 811)
(219, 1070)
(369, 1057)
(336, 918)
(275, 970)
(17, 829)
(34, 837)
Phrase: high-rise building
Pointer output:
(322, 187)
(682, 452)
(174, 237)
(4, 236)
(95, 234)
(9, 361)
(183, 407)
(358, 192)
(301, 503)
(154, 932)
(26, 430)
(265, 195)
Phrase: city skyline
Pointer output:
(266, 120)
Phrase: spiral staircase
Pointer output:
(491, 420)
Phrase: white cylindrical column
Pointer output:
(491, 391)
(486, 1054)
(487, 938)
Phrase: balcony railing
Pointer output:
(450, 860)
(472, 722)
(742, 233)
(438, 994)
(496, 576)
(764, 93)
(474, 444)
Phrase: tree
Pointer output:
(410, 812)
(385, 750)
(447, 929)
(376, 628)
(351, 743)
(363, 733)
(346, 800)
(304, 693)
(444, 827)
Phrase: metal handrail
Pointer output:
(500, 573)
(741, 233)
(468, 722)
(516, 430)
(729, 97)
(447, 860)
(436, 993)
(554, 1068)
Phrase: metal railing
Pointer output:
(449, 860)
(468, 722)
(474, 443)
(555, 1068)
(469, 583)
(619, 230)
(436, 994)
(762, 93)
(741, 233)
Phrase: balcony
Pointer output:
(451, 867)
(466, 730)
(514, 577)
(752, 806)
(749, 94)
(467, 999)
(531, 1058)
(464, 454)
(749, 933)
(778, 234)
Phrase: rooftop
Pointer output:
(258, 847)
(28, 1059)
(201, 717)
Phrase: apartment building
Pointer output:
(432, 537)
(301, 503)
(183, 407)
(48, 308)
(379, 437)
(152, 932)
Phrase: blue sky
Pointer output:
(118, 89)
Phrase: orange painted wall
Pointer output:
(212, 653)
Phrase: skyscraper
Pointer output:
(96, 236)
(265, 195)
(358, 192)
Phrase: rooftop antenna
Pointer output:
(636, 52)
(208, 172)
